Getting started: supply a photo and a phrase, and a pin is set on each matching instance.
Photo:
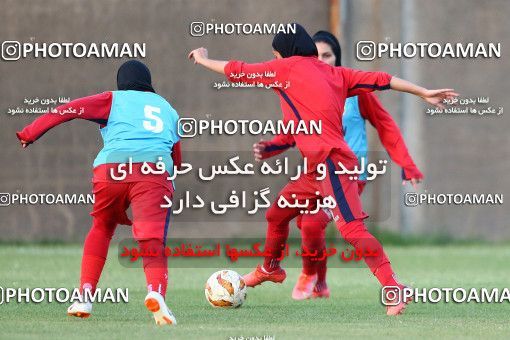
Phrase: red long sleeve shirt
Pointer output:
(317, 92)
(95, 108)
(389, 133)
(372, 110)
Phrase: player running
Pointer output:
(358, 109)
(317, 91)
(135, 123)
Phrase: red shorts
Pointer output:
(344, 190)
(112, 199)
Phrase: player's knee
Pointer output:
(156, 248)
(311, 227)
(356, 234)
(321, 217)
(299, 222)
(275, 215)
(103, 227)
(148, 243)
(354, 231)
(313, 221)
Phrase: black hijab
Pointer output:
(134, 75)
(332, 41)
(290, 44)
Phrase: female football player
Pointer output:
(310, 89)
(358, 109)
(140, 127)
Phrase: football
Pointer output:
(225, 289)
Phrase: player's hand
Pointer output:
(198, 55)
(436, 97)
(24, 143)
(258, 149)
(414, 182)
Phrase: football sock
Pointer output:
(276, 237)
(95, 251)
(155, 267)
(313, 231)
(356, 234)
(322, 268)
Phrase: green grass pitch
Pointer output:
(354, 310)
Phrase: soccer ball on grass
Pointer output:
(225, 289)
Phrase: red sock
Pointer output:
(386, 276)
(95, 251)
(313, 231)
(356, 234)
(322, 268)
(155, 267)
(276, 237)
